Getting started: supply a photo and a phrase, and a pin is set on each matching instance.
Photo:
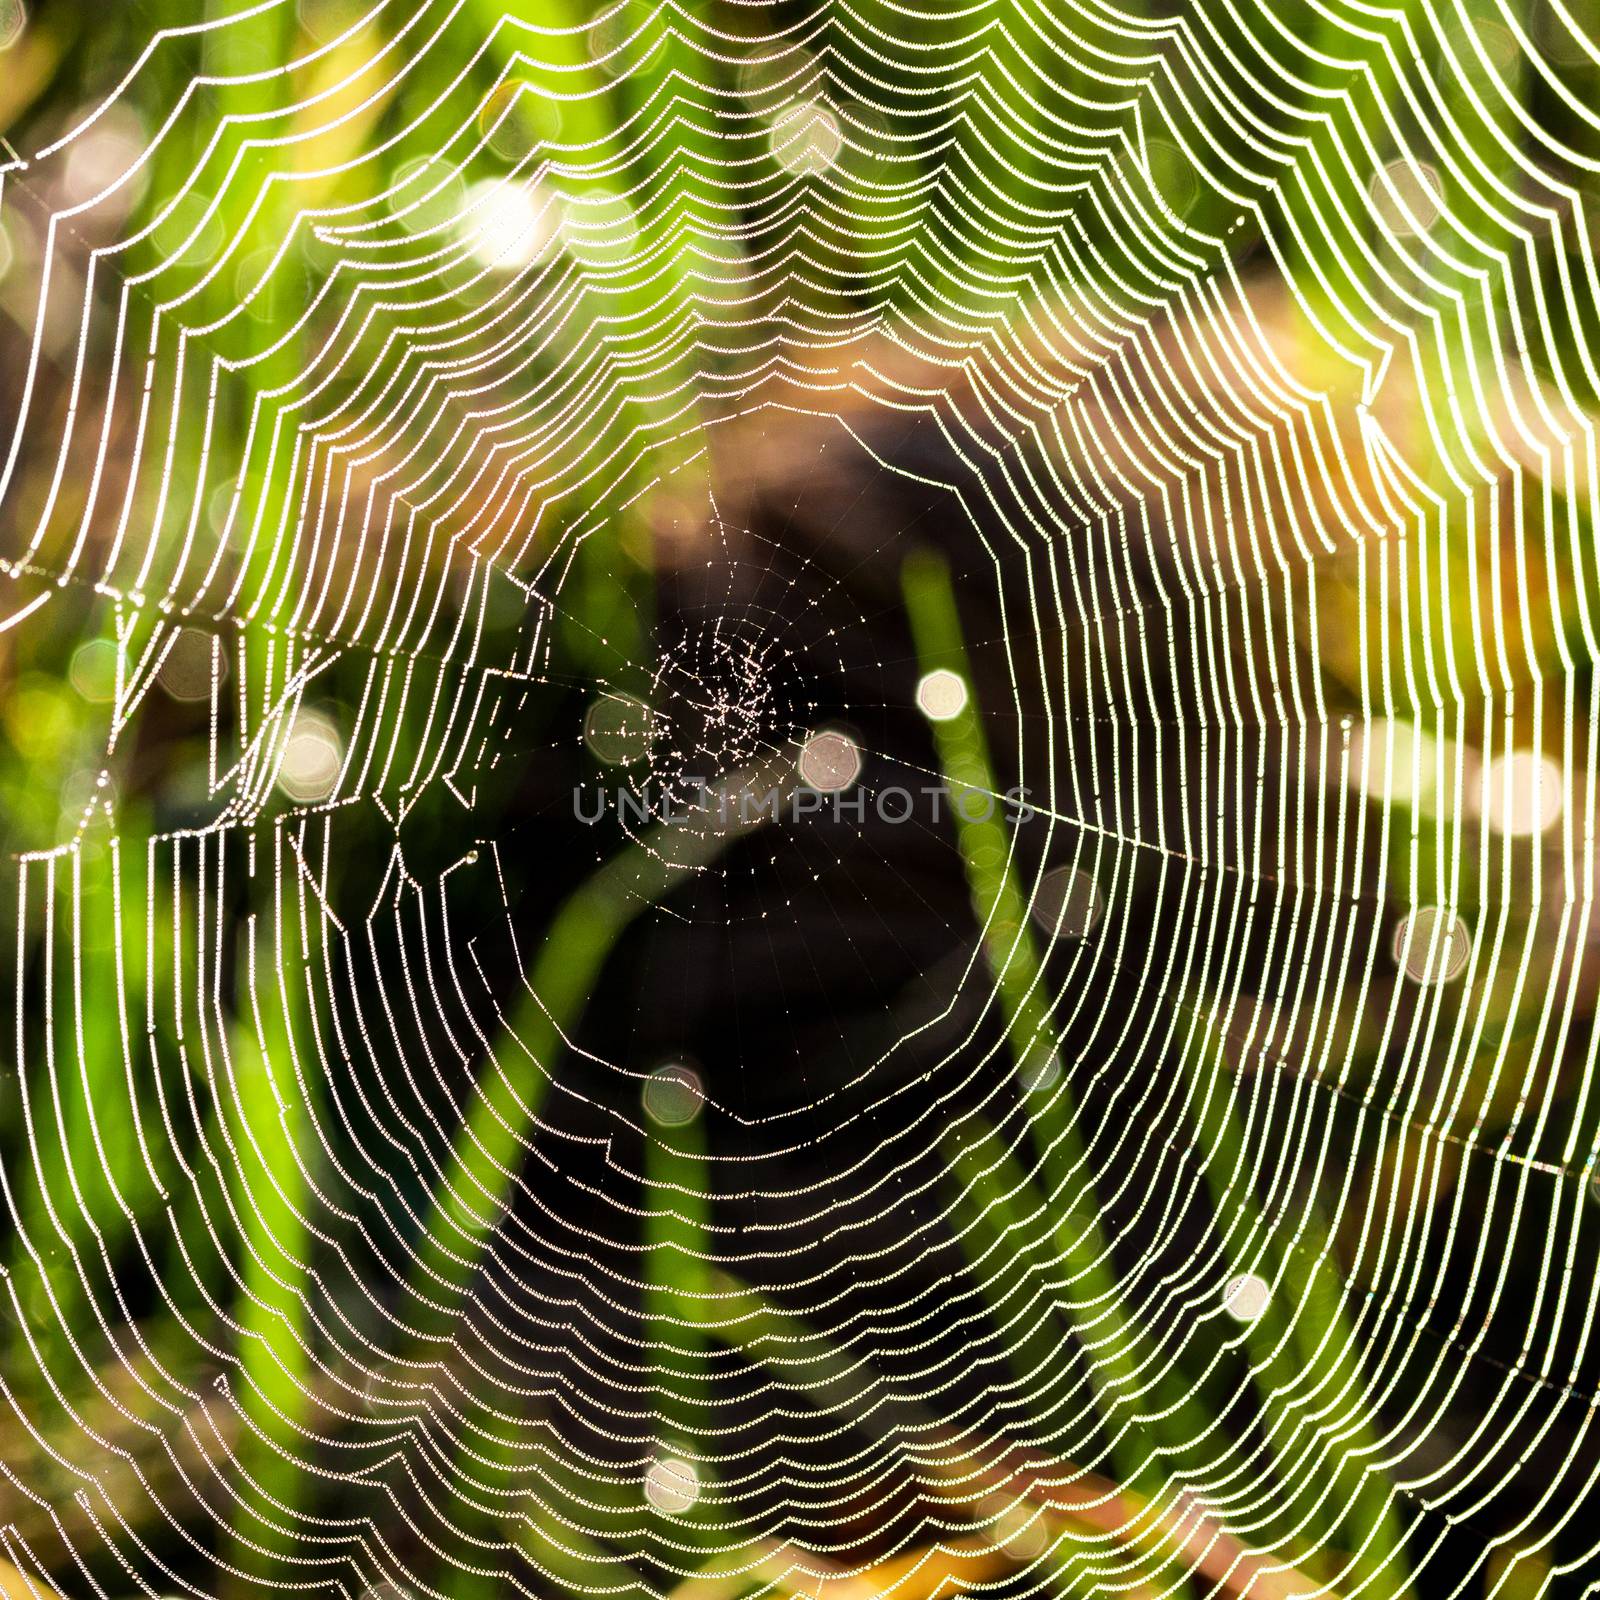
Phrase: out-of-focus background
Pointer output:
(1115, 485)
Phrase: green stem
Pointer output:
(268, 1124)
(995, 1196)
(1302, 1349)
(677, 1213)
(475, 1182)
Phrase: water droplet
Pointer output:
(312, 757)
(673, 1096)
(13, 19)
(806, 138)
(1247, 1297)
(617, 729)
(942, 695)
(671, 1485)
(1406, 197)
(1067, 904)
(830, 761)
(1432, 945)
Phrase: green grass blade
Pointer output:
(267, 1121)
(1303, 1357)
(475, 1182)
(992, 1192)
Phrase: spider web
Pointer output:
(801, 800)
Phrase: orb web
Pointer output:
(800, 799)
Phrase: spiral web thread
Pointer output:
(356, 350)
